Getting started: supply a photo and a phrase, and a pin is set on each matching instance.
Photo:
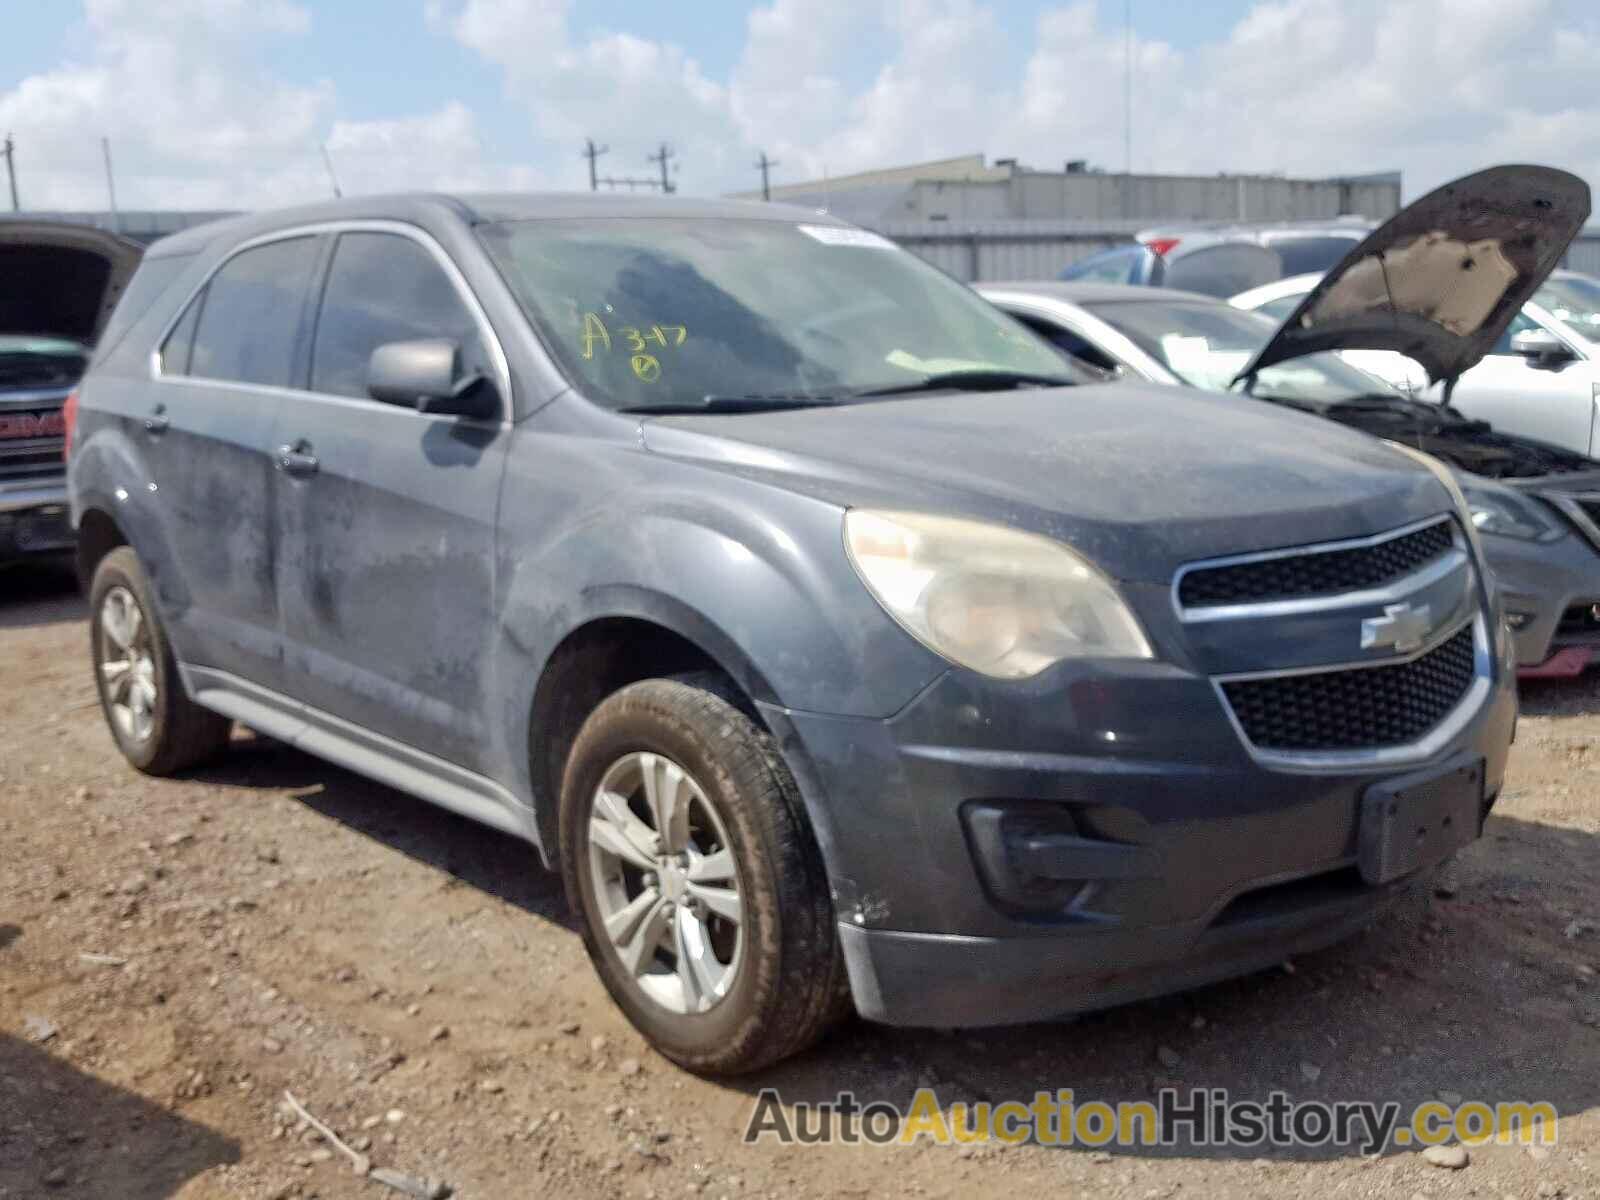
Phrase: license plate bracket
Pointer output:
(1417, 821)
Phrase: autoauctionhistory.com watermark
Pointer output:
(1199, 1117)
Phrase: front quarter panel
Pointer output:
(755, 575)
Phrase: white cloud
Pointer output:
(1313, 87)
(195, 121)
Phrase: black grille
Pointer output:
(1320, 573)
(1356, 709)
(1591, 507)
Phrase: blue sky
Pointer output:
(227, 101)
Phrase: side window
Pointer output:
(383, 287)
(1075, 346)
(1224, 270)
(1280, 308)
(1111, 266)
(250, 318)
(1520, 323)
(179, 346)
(1304, 255)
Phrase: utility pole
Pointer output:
(11, 173)
(764, 164)
(592, 152)
(1127, 87)
(663, 156)
(327, 161)
(111, 185)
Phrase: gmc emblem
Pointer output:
(32, 425)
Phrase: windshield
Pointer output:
(1574, 299)
(1207, 345)
(646, 313)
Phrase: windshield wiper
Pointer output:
(972, 381)
(752, 402)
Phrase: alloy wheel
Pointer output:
(127, 665)
(665, 884)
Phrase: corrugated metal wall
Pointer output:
(977, 251)
(1584, 253)
(981, 251)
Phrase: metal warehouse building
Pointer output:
(965, 189)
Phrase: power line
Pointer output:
(592, 152)
(663, 156)
(11, 172)
(1127, 86)
(764, 164)
(631, 182)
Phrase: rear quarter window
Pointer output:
(149, 284)
(1312, 255)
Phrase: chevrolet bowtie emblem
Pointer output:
(1401, 628)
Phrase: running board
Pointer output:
(371, 754)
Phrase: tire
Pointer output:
(157, 727)
(781, 969)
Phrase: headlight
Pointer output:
(1005, 603)
(1503, 515)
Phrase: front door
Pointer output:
(1515, 395)
(387, 515)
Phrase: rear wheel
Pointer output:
(705, 906)
(156, 726)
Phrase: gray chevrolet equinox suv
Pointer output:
(840, 649)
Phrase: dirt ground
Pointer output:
(276, 923)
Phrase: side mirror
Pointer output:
(1541, 348)
(425, 374)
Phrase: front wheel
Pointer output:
(705, 907)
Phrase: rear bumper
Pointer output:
(1184, 859)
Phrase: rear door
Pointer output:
(1552, 403)
(206, 428)
(388, 514)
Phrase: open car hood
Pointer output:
(1442, 279)
(61, 280)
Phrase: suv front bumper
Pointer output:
(1195, 861)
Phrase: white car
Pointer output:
(1540, 379)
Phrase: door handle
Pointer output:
(297, 459)
(157, 422)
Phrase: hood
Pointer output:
(1464, 443)
(1104, 468)
(1442, 279)
(61, 280)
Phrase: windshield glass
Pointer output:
(1207, 345)
(656, 312)
(1574, 299)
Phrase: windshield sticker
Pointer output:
(837, 235)
(636, 342)
(1194, 358)
(594, 330)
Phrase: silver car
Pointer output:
(1540, 379)
(1219, 260)
(1537, 506)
